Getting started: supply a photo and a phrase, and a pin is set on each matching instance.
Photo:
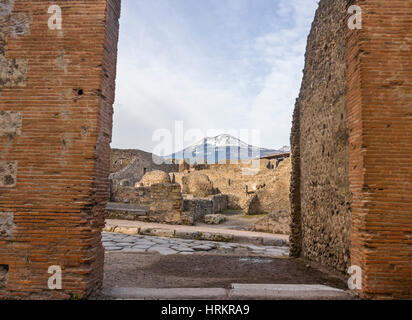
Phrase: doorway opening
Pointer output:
(187, 208)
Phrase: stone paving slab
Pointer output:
(237, 292)
(166, 246)
(287, 292)
(195, 233)
(166, 293)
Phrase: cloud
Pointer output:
(232, 64)
(283, 50)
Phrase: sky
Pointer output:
(213, 66)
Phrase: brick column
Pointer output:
(380, 169)
(55, 128)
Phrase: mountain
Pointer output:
(285, 149)
(220, 148)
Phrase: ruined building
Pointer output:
(129, 166)
(351, 145)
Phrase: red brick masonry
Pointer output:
(379, 102)
(62, 84)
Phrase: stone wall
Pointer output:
(325, 198)
(351, 146)
(133, 164)
(139, 196)
(265, 192)
(195, 209)
(166, 203)
(56, 95)
(275, 222)
(164, 200)
(197, 184)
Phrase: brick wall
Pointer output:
(363, 177)
(380, 168)
(56, 97)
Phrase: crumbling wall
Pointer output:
(164, 200)
(275, 222)
(320, 150)
(126, 194)
(133, 164)
(154, 177)
(197, 184)
(56, 96)
(269, 187)
(195, 209)
(167, 203)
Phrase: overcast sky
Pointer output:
(213, 64)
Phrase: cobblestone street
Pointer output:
(167, 246)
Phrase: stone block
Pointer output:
(10, 123)
(6, 224)
(8, 174)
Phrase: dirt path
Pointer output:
(203, 270)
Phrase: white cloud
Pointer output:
(210, 69)
(283, 49)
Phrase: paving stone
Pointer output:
(141, 247)
(182, 249)
(161, 240)
(124, 244)
(108, 243)
(157, 232)
(276, 252)
(253, 247)
(227, 248)
(215, 236)
(187, 235)
(125, 240)
(162, 250)
(113, 248)
(145, 243)
(133, 250)
(202, 248)
(162, 245)
(131, 239)
(274, 242)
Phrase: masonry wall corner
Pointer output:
(56, 96)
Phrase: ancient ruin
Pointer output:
(350, 206)
(56, 96)
(351, 148)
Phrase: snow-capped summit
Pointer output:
(221, 147)
(222, 140)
